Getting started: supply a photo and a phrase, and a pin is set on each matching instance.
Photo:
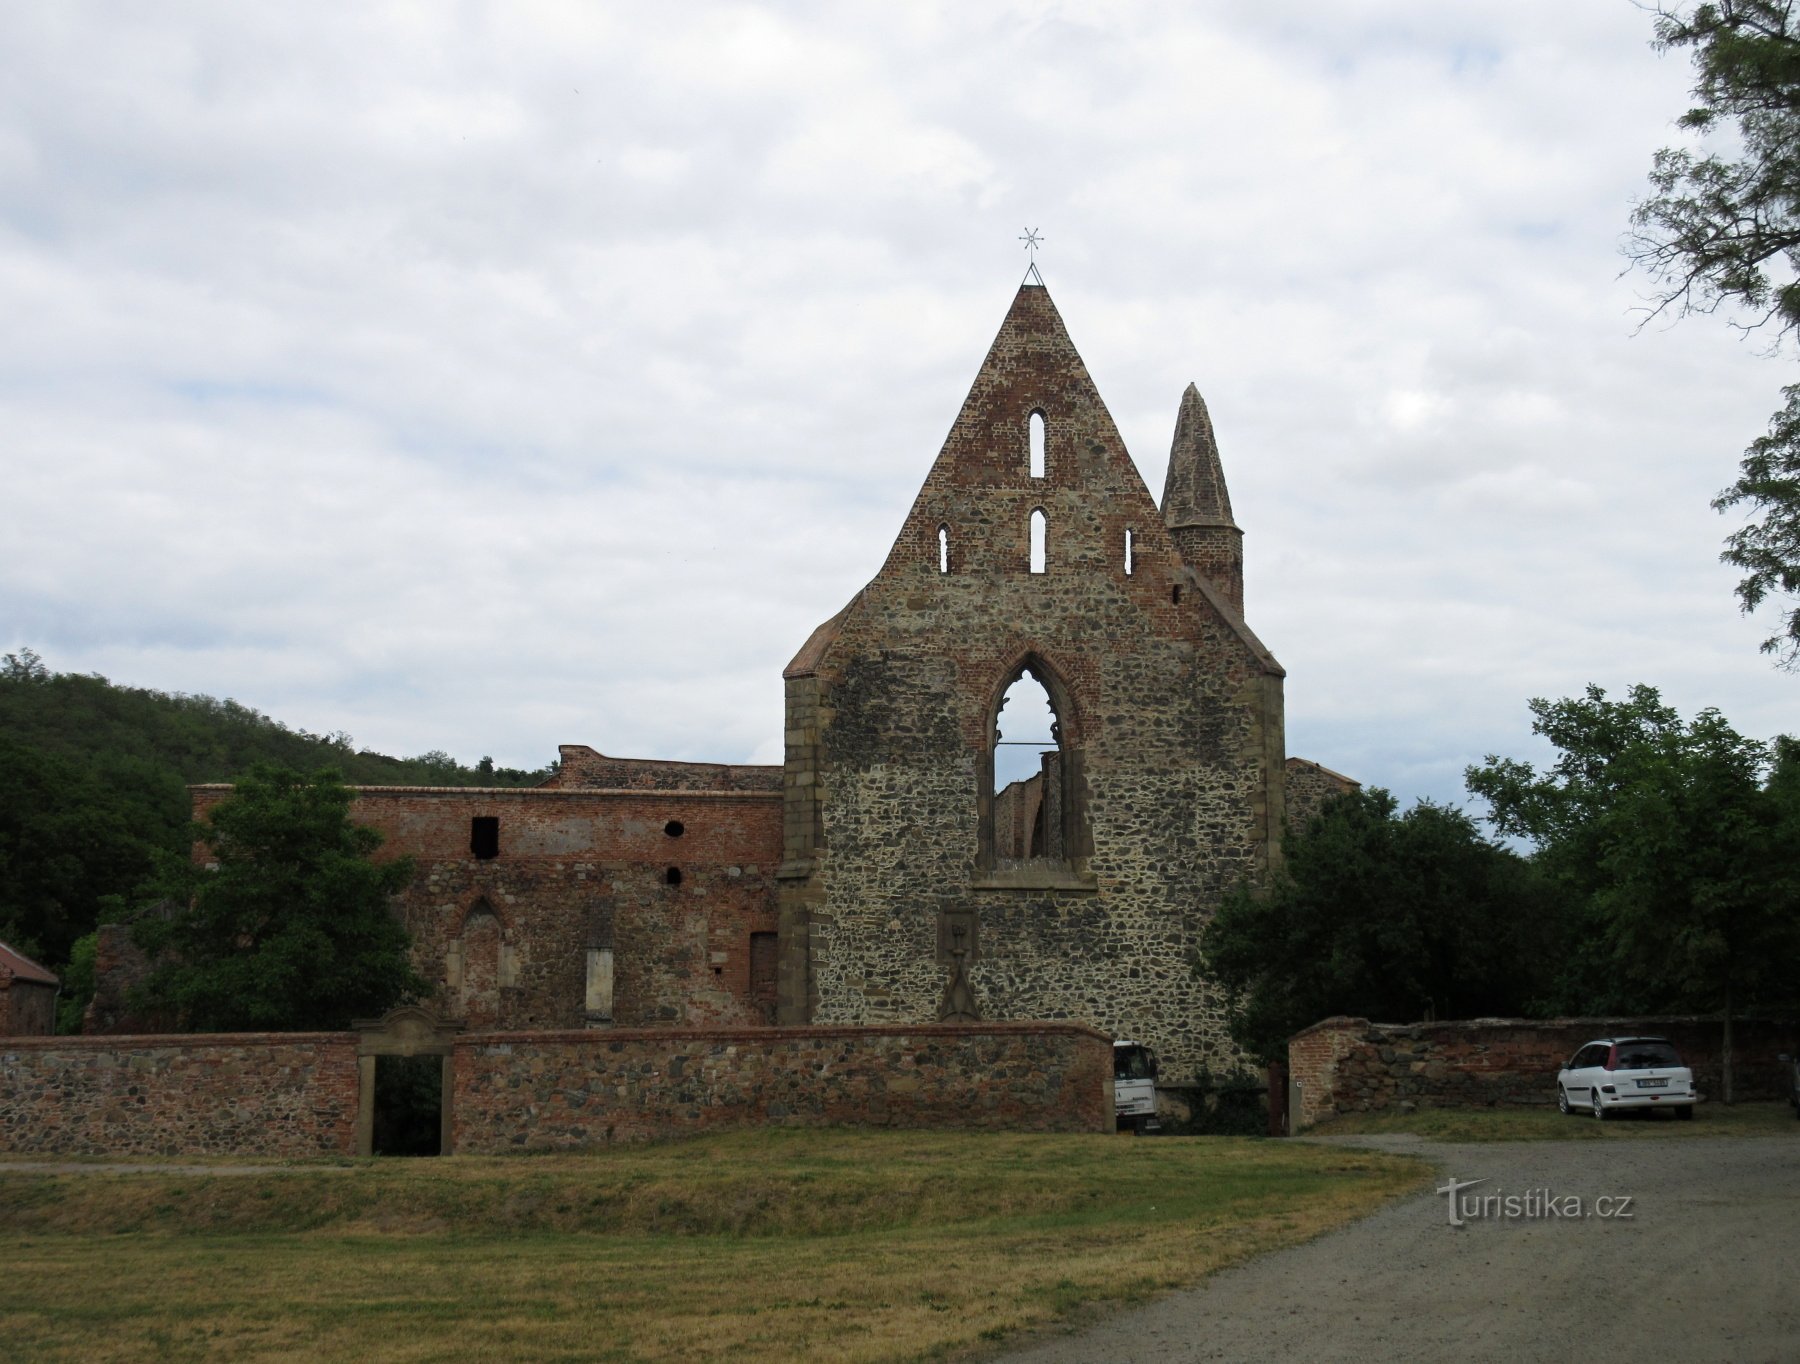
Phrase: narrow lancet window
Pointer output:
(943, 549)
(1128, 554)
(1040, 536)
(1037, 444)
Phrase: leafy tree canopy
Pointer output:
(93, 781)
(1381, 915)
(1678, 839)
(1723, 227)
(289, 927)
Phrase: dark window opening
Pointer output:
(484, 836)
(1175, 594)
(672, 876)
(674, 828)
(409, 1106)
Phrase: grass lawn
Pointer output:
(1546, 1124)
(770, 1245)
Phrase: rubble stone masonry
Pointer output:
(1169, 712)
(1350, 1065)
(672, 883)
(564, 1091)
(262, 1094)
(296, 1094)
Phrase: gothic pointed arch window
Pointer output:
(1032, 816)
(1038, 456)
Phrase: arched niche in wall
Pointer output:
(482, 959)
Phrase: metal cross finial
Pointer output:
(1032, 241)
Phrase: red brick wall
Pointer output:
(560, 1091)
(1347, 1065)
(582, 868)
(263, 1094)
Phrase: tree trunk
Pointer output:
(1725, 1051)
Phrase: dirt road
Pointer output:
(1702, 1264)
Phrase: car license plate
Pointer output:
(1653, 1084)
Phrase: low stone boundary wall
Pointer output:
(1350, 1065)
(262, 1094)
(297, 1094)
(560, 1091)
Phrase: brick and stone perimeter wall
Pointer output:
(265, 1094)
(296, 1094)
(562, 1091)
(1350, 1065)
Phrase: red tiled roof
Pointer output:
(21, 967)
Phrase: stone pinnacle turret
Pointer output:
(1196, 505)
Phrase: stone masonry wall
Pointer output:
(263, 1094)
(1309, 786)
(564, 1091)
(672, 882)
(1350, 1065)
(581, 766)
(1168, 708)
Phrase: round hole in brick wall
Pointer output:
(672, 876)
(674, 828)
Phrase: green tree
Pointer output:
(70, 836)
(1723, 228)
(1382, 915)
(78, 982)
(1677, 838)
(288, 926)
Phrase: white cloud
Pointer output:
(485, 377)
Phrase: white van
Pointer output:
(1134, 1087)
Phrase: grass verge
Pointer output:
(1546, 1124)
(776, 1245)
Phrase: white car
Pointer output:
(1617, 1074)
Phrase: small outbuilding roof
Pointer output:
(21, 967)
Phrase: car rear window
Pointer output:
(1645, 1056)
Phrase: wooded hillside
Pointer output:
(93, 779)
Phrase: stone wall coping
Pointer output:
(1335, 1023)
(601, 1036)
(193, 1041)
(1601, 1025)
(186, 1041)
(539, 792)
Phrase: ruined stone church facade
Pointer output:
(877, 877)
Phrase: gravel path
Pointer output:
(1707, 1267)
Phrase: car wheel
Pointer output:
(1599, 1112)
(1685, 1112)
(1562, 1101)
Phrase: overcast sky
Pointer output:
(492, 376)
